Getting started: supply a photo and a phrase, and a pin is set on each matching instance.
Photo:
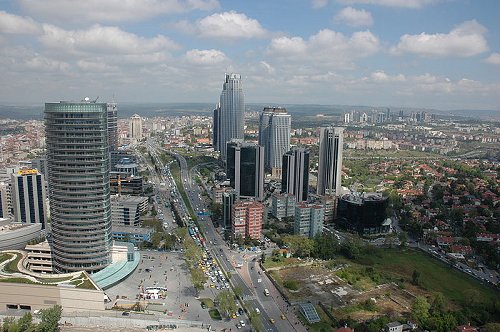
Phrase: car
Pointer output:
(257, 311)
(203, 305)
(240, 311)
(125, 313)
(283, 317)
(271, 320)
(242, 323)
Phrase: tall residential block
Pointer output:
(78, 181)
(247, 217)
(245, 168)
(331, 142)
(308, 220)
(28, 197)
(295, 175)
(275, 125)
(283, 205)
(230, 114)
(135, 127)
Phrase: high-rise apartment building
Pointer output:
(135, 127)
(283, 205)
(275, 125)
(247, 219)
(229, 113)
(245, 168)
(78, 181)
(295, 174)
(28, 197)
(308, 219)
(331, 142)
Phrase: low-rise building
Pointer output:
(39, 257)
(126, 210)
(132, 234)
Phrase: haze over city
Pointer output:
(418, 53)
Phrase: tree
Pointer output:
(415, 278)
(438, 304)
(420, 310)
(50, 319)
(226, 301)
(351, 248)
(300, 245)
(403, 238)
(238, 291)
(25, 323)
(492, 327)
(8, 323)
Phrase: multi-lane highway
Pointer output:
(272, 310)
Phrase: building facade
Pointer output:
(112, 126)
(308, 220)
(275, 125)
(247, 217)
(228, 199)
(5, 201)
(245, 169)
(28, 197)
(135, 127)
(295, 175)
(283, 205)
(126, 210)
(79, 191)
(331, 142)
(230, 116)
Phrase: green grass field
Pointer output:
(435, 276)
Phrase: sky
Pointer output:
(442, 54)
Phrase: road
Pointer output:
(253, 298)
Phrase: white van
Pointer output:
(266, 292)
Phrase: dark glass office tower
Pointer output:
(245, 168)
(295, 175)
(331, 142)
(78, 167)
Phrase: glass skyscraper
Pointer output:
(295, 175)
(245, 168)
(331, 141)
(78, 178)
(229, 115)
(274, 135)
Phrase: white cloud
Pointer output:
(327, 47)
(319, 3)
(111, 10)
(465, 40)
(42, 63)
(205, 57)
(381, 76)
(102, 39)
(414, 4)
(13, 24)
(494, 59)
(354, 17)
(230, 25)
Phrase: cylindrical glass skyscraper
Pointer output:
(78, 178)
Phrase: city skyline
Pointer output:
(432, 54)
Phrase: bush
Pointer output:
(291, 284)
